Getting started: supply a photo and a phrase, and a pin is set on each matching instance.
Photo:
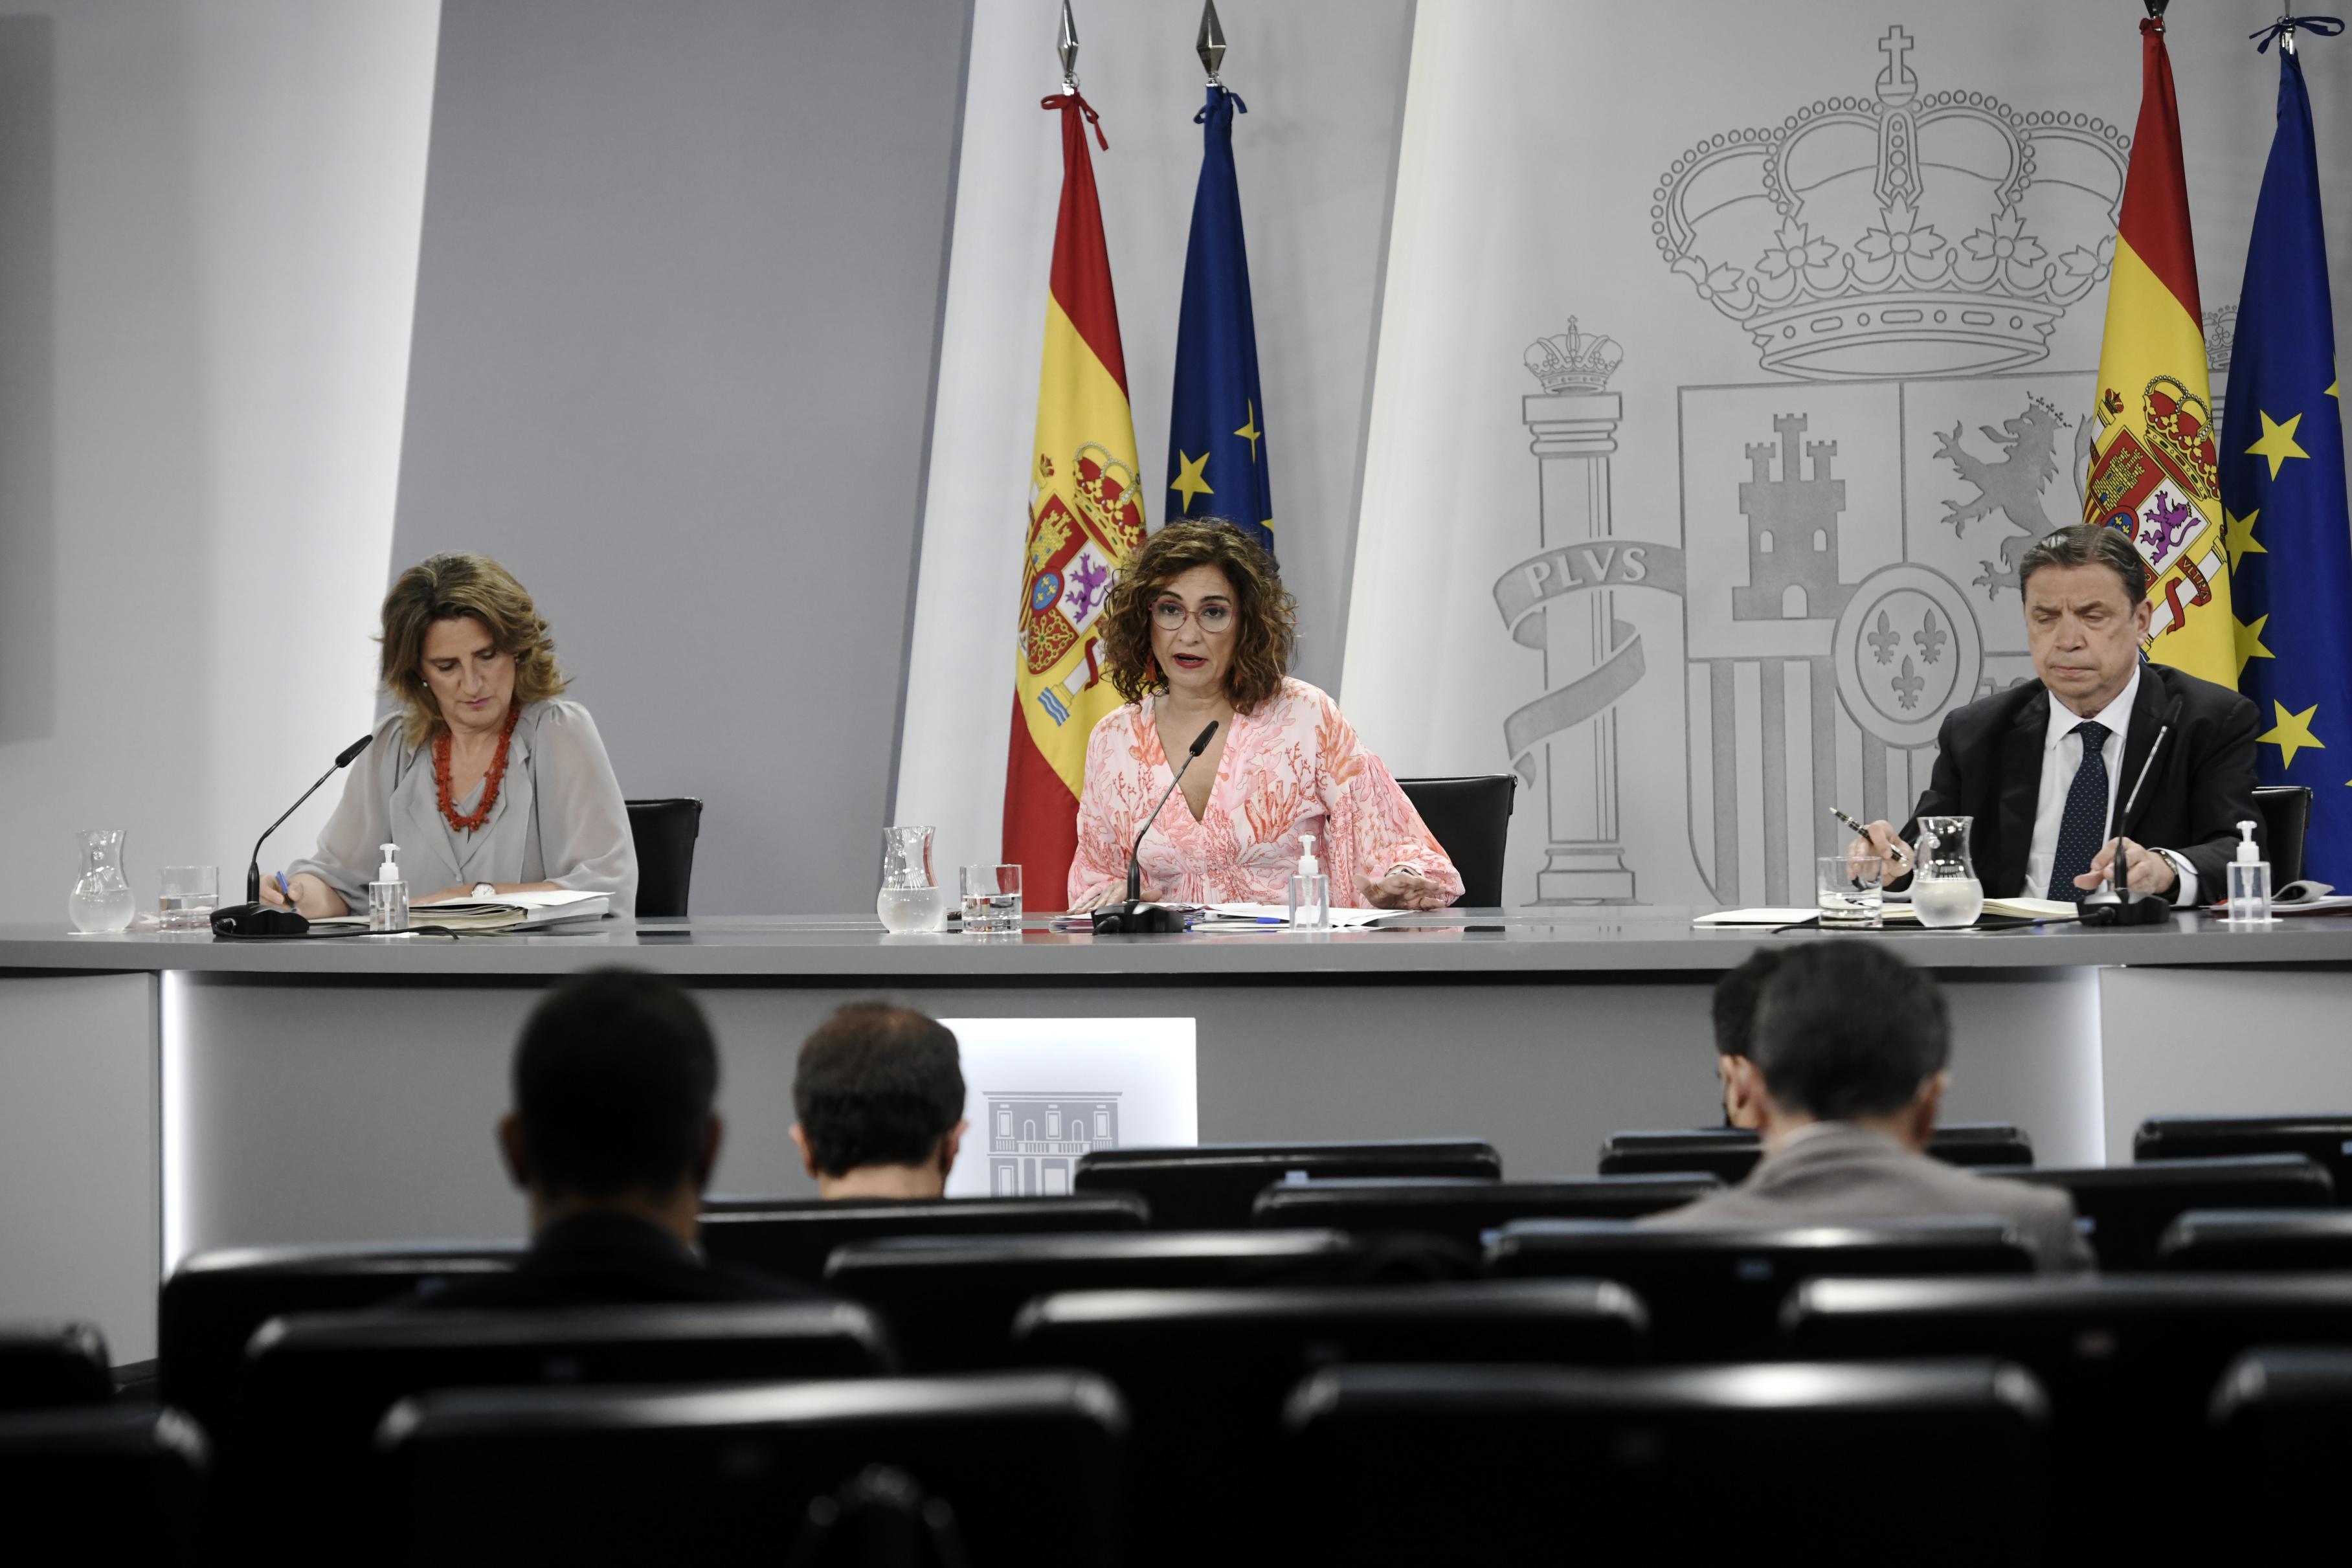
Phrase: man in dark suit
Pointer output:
(613, 1135)
(1846, 1069)
(2042, 798)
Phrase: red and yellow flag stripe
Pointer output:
(2153, 466)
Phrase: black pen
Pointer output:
(1902, 853)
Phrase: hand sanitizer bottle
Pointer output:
(2250, 882)
(1310, 893)
(388, 894)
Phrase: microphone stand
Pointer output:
(253, 871)
(1134, 915)
(2114, 906)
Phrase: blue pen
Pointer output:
(284, 889)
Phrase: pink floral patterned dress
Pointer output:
(1291, 768)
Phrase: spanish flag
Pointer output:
(2153, 466)
(1085, 513)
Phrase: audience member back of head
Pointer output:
(1845, 1070)
(1734, 1015)
(613, 1135)
(879, 1094)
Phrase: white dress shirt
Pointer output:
(2062, 754)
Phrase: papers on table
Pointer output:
(1894, 914)
(1276, 917)
(507, 912)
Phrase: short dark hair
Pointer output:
(2087, 545)
(1735, 1001)
(614, 1082)
(877, 1085)
(1846, 1030)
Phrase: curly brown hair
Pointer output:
(1265, 617)
(446, 587)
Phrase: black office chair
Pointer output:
(1007, 1468)
(2286, 823)
(1717, 1294)
(950, 1301)
(793, 1238)
(2125, 1208)
(118, 1483)
(664, 832)
(1404, 1467)
(1215, 1185)
(1471, 820)
(2326, 1139)
(46, 1364)
(1205, 1374)
(2282, 1424)
(2238, 1241)
(1461, 1210)
(317, 1384)
(215, 1300)
(1730, 1152)
(2129, 1362)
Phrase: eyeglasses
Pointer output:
(1214, 617)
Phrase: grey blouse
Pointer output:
(559, 816)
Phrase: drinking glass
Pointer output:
(1945, 890)
(190, 894)
(991, 899)
(101, 899)
(1852, 892)
(911, 899)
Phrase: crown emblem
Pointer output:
(1574, 362)
(1904, 233)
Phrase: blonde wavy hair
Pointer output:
(447, 587)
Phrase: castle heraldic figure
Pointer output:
(2041, 765)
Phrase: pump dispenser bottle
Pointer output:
(388, 894)
(2250, 881)
(1310, 892)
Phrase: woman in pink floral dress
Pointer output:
(1200, 629)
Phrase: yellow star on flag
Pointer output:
(1249, 428)
(2243, 541)
(1189, 482)
(2278, 442)
(2292, 734)
(2249, 642)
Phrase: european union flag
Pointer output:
(1216, 429)
(2282, 491)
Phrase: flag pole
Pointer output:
(1065, 45)
(1210, 45)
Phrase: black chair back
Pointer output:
(793, 1238)
(1205, 1374)
(984, 1470)
(1216, 1185)
(214, 1301)
(2130, 1364)
(317, 1384)
(1730, 1152)
(2282, 1424)
(2238, 1241)
(950, 1301)
(2286, 823)
(48, 1365)
(664, 832)
(1717, 1294)
(1462, 1210)
(2125, 1208)
(2323, 1138)
(1403, 1467)
(1471, 820)
(97, 1482)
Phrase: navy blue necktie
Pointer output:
(2083, 827)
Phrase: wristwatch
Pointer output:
(486, 889)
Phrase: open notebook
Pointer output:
(1895, 913)
(507, 912)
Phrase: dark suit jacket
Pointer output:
(1988, 766)
(608, 1260)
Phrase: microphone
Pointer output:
(342, 760)
(1133, 915)
(2120, 906)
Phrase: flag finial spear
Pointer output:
(1065, 44)
(1210, 45)
(2156, 8)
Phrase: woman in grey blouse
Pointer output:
(485, 778)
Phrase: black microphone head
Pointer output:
(1200, 741)
(343, 758)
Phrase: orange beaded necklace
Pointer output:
(490, 781)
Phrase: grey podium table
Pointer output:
(161, 1094)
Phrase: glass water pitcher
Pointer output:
(102, 898)
(911, 899)
(1944, 887)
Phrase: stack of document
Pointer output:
(1895, 914)
(507, 912)
(1276, 917)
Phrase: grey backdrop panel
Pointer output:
(676, 312)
